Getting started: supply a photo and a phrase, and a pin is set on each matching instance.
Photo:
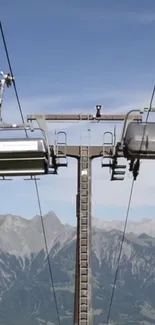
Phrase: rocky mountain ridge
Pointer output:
(20, 236)
(25, 289)
(145, 225)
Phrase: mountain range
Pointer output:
(26, 295)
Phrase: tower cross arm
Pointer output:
(94, 151)
(81, 117)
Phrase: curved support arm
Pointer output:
(62, 143)
(108, 132)
(125, 121)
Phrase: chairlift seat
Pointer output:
(139, 140)
(21, 157)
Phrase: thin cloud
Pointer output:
(136, 17)
(142, 17)
(145, 17)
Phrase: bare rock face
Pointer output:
(146, 225)
(21, 237)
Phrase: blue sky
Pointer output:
(68, 56)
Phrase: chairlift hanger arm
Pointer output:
(5, 81)
(80, 117)
(127, 117)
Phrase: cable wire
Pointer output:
(126, 218)
(35, 180)
(10, 67)
(47, 253)
(120, 253)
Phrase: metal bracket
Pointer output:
(146, 109)
(109, 143)
(58, 153)
(32, 178)
(14, 127)
(3, 178)
(117, 171)
(43, 128)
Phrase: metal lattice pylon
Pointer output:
(85, 305)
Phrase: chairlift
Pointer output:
(23, 156)
(138, 140)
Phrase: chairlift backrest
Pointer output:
(139, 139)
(20, 157)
